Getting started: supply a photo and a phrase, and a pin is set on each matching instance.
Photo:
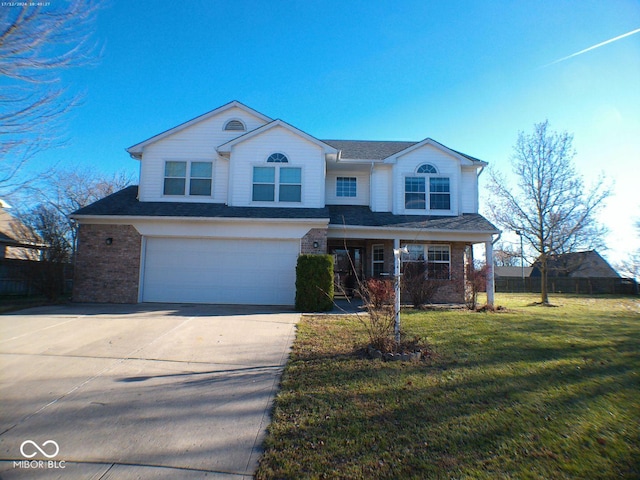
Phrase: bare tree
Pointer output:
(65, 192)
(37, 43)
(630, 266)
(506, 256)
(550, 205)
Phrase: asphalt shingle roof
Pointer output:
(125, 203)
(363, 216)
(368, 149)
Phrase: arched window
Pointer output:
(235, 125)
(277, 158)
(426, 190)
(426, 168)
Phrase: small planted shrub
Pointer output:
(314, 283)
(378, 297)
(416, 284)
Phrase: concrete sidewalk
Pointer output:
(168, 391)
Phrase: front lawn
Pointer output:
(533, 392)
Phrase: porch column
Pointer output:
(491, 288)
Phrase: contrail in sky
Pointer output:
(637, 30)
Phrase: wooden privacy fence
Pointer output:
(28, 277)
(620, 286)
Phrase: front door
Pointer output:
(347, 269)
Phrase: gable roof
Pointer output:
(587, 264)
(390, 150)
(429, 141)
(515, 272)
(368, 149)
(136, 150)
(226, 147)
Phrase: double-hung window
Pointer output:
(439, 261)
(427, 185)
(290, 187)
(377, 258)
(279, 181)
(176, 175)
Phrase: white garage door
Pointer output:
(258, 272)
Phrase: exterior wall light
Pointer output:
(316, 244)
(108, 241)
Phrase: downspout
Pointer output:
(371, 187)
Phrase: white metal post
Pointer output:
(490, 275)
(397, 255)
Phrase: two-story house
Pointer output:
(227, 201)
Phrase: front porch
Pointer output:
(360, 259)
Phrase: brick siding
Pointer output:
(107, 273)
(314, 235)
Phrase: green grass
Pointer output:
(533, 392)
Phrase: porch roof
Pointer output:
(362, 216)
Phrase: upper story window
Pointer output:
(346, 187)
(426, 184)
(426, 168)
(277, 158)
(199, 178)
(235, 126)
(277, 183)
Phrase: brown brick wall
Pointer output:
(107, 273)
(452, 291)
(314, 235)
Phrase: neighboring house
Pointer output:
(512, 279)
(512, 272)
(582, 272)
(228, 200)
(17, 241)
(576, 265)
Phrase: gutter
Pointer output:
(132, 218)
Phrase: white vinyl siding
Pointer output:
(195, 143)
(447, 167)
(381, 188)
(469, 191)
(362, 188)
(301, 154)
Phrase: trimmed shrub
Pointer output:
(314, 283)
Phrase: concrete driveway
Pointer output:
(144, 391)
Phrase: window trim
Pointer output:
(187, 179)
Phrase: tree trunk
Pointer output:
(544, 289)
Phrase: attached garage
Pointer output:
(233, 271)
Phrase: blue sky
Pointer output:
(469, 74)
